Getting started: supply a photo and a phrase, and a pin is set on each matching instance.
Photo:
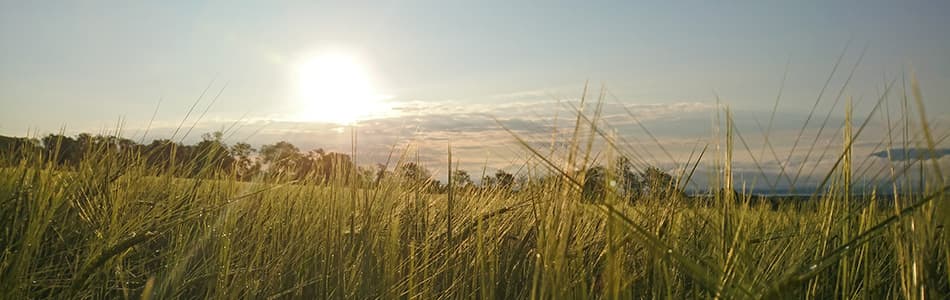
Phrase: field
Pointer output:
(115, 226)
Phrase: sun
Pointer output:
(336, 88)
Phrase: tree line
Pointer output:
(212, 157)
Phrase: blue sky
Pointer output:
(446, 64)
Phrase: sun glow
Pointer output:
(336, 88)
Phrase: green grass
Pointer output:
(113, 228)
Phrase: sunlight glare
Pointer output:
(336, 88)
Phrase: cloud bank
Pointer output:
(903, 154)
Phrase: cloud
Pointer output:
(902, 154)
(423, 129)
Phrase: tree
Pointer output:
(659, 184)
(332, 166)
(461, 179)
(280, 158)
(380, 173)
(128, 146)
(62, 150)
(628, 182)
(86, 141)
(366, 176)
(13, 149)
(211, 154)
(624, 182)
(504, 179)
(158, 153)
(414, 172)
(309, 164)
(594, 184)
(244, 166)
(487, 181)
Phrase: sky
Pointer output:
(444, 71)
